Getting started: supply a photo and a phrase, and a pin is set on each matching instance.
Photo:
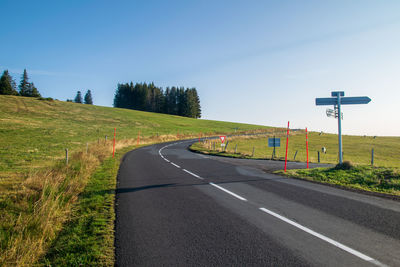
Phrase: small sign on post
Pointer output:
(274, 142)
(223, 138)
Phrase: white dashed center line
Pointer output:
(229, 192)
(175, 165)
(191, 173)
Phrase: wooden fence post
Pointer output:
(66, 156)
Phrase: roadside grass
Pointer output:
(33, 216)
(39, 193)
(372, 179)
(87, 239)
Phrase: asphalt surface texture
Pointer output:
(179, 208)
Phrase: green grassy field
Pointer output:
(356, 149)
(41, 197)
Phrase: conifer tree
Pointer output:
(7, 84)
(197, 104)
(182, 102)
(33, 90)
(78, 97)
(88, 98)
(24, 87)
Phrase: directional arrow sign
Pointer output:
(343, 100)
(325, 101)
(355, 100)
(223, 138)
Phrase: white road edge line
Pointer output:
(229, 192)
(175, 165)
(191, 173)
(326, 239)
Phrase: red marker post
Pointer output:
(138, 138)
(307, 146)
(287, 144)
(115, 130)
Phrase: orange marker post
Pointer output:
(115, 130)
(138, 138)
(287, 144)
(307, 146)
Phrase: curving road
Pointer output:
(178, 208)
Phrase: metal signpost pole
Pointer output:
(274, 148)
(339, 129)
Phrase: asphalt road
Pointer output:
(178, 208)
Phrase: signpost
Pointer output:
(274, 142)
(337, 100)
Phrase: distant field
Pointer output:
(356, 149)
(40, 195)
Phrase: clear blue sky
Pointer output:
(261, 62)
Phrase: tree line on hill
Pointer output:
(148, 97)
(9, 87)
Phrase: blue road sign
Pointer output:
(343, 100)
(274, 142)
(355, 100)
(325, 101)
(336, 93)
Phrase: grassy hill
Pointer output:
(34, 132)
(48, 208)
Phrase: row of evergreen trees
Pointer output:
(87, 100)
(148, 97)
(9, 87)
